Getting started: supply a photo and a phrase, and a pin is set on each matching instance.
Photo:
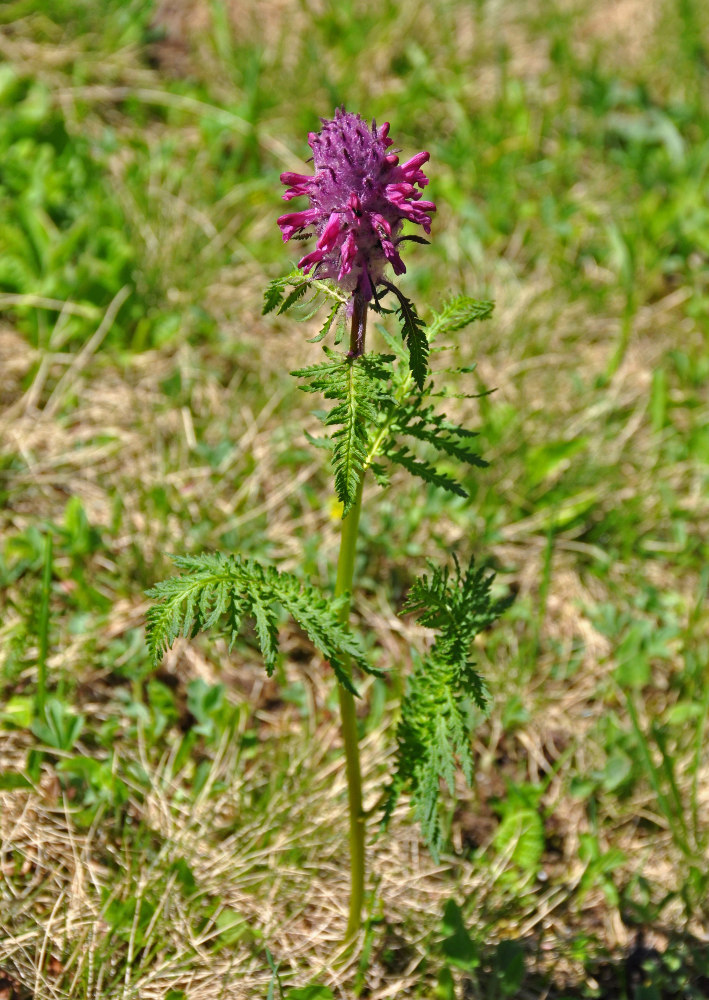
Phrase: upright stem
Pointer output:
(348, 714)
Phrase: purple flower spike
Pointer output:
(359, 198)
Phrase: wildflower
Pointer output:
(359, 198)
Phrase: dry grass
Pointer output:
(298, 911)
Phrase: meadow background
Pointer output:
(161, 829)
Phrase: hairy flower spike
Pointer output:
(359, 196)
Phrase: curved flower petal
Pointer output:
(328, 236)
(296, 221)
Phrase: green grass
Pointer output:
(160, 830)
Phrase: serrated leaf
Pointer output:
(457, 313)
(272, 297)
(216, 591)
(433, 731)
(413, 331)
(275, 290)
(380, 473)
(293, 296)
(320, 375)
(358, 385)
(325, 329)
(350, 442)
(267, 631)
(427, 472)
(423, 423)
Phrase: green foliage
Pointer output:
(62, 236)
(219, 591)
(457, 946)
(456, 314)
(413, 332)
(663, 751)
(412, 415)
(314, 991)
(327, 325)
(433, 734)
(60, 728)
(423, 423)
(274, 297)
(417, 419)
(299, 282)
(426, 471)
(358, 384)
(380, 405)
(491, 973)
(97, 784)
(600, 866)
(209, 705)
(520, 834)
(43, 625)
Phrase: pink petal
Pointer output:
(295, 179)
(392, 255)
(331, 231)
(347, 255)
(305, 263)
(295, 192)
(401, 190)
(379, 220)
(384, 136)
(415, 162)
(295, 221)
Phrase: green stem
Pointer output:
(348, 714)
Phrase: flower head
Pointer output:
(359, 198)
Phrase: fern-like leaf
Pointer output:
(424, 470)
(456, 314)
(275, 290)
(327, 325)
(433, 735)
(419, 420)
(413, 331)
(350, 440)
(359, 387)
(216, 591)
(296, 293)
(448, 442)
(275, 295)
